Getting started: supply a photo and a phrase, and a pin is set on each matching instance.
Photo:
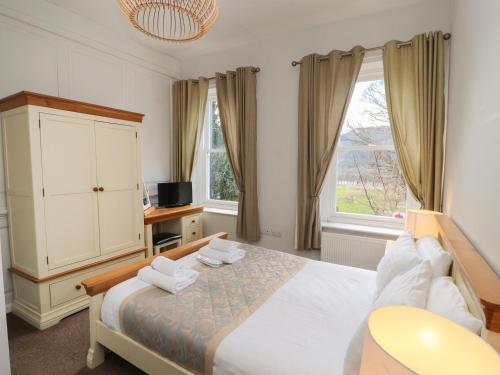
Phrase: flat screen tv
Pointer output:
(173, 194)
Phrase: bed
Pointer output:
(297, 319)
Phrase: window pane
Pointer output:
(367, 122)
(370, 182)
(222, 184)
(216, 137)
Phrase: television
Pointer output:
(173, 194)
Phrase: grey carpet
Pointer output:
(59, 350)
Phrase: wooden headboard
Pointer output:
(477, 281)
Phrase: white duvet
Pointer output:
(304, 328)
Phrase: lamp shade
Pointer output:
(407, 340)
(422, 223)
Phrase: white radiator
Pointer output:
(350, 250)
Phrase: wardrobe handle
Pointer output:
(78, 287)
(101, 189)
(95, 189)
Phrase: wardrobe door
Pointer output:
(69, 177)
(119, 203)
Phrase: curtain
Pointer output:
(325, 89)
(236, 97)
(189, 103)
(414, 82)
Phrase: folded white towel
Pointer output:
(184, 278)
(226, 257)
(166, 266)
(223, 245)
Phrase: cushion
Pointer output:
(410, 288)
(430, 248)
(354, 353)
(400, 258)
(446, 300)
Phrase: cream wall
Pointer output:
(49, 50)
(278, 96)
(472, 173)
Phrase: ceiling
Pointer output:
(240, 21)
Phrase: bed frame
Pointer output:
(478, 283)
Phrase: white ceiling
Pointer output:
(240, 21)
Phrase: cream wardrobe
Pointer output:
(74, 198)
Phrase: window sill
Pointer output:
(367, 231)
(220, 211)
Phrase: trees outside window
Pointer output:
(368, 177)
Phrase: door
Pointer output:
(119, 201)
(69, 177)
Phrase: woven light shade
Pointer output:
(171, 20)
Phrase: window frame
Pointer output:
(202, 168)
(372, 69)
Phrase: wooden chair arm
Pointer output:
(101, 283)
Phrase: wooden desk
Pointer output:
(159, 215)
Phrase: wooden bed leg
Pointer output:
(95, 355)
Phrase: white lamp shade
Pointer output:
(407, 340)
(421, 223)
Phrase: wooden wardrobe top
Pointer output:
(27, 97)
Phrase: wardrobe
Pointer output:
(73, 185)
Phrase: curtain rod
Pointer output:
(446, 36)
(254, 70)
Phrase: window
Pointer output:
(365, 182)
(213, 171)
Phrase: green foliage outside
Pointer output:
(222, 184)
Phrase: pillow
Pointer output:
(446, 300)
(430, 248)
(400, 258)
(410, 288)
(354, 353)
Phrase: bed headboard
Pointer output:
(476, 280)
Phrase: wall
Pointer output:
(277, 97)
(472, 175)
(49, 50)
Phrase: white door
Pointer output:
(119, 200)
(69, 181)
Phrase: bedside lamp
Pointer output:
(421, 223)
(407, 340)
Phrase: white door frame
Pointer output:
(4, 343)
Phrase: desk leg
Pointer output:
(148, 233)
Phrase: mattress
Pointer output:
(303, 328)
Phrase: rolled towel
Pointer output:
(184, 278)
(223, 245)
(226, 257)
(166, 266)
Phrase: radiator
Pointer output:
(350, 250)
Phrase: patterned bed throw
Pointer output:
(187, 327)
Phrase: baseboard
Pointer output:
(9, 297)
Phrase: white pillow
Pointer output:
(410, 288)
(354, 353)
(430, 248)
(400, 258)
(445, 299)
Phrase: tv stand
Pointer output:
(185, 220)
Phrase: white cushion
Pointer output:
(400, 258)
(445, 299)
(410, 288)
(430, 248)
(352, 359)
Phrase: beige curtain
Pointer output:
(414, 82)
(325, 90)
(236, 97)
(189, 103)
